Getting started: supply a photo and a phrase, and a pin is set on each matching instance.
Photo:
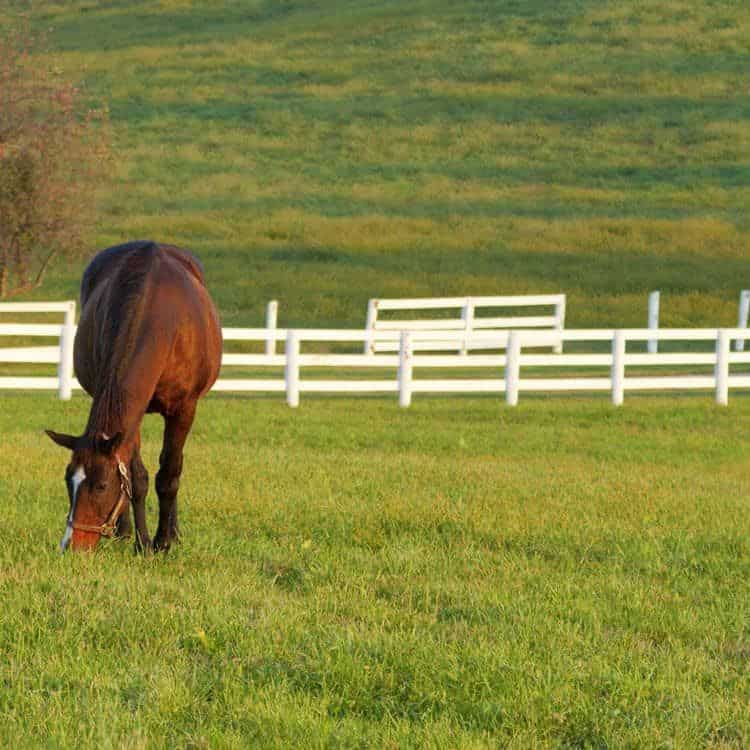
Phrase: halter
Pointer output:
(107, 529)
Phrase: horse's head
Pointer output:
(98, 488)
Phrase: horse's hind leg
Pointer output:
(176, 429)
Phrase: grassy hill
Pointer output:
(321, 153)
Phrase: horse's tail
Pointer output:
(132, 254)
(137, 274)
(131, 270)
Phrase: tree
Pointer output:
(54, 150)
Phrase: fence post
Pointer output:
(618, 368)
(467, 315)
(372, 316)
(653, 320)
(291, 371)
(559, 323)
(65, 366)
(272, 311)
(722, 367)
(739, 344)
(405, 366)
(512, 368)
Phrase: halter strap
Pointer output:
(107, 529)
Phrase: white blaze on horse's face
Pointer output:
(79, 475)
(76, 480)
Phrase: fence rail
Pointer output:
(509, 364)
(512, 359)
(468, 321)
(62, 354)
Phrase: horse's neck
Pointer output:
(112, 411)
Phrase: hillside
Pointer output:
(324, 153)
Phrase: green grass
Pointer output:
(324, 153)
(458, 574)
(351, 574)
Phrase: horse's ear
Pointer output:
(66, 441)
(108, 445)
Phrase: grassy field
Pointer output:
(354, 575)
(458, 574)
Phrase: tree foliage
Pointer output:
(54, 152)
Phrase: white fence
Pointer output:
(515, 351)
(512, 360)
(742, 318)
(61, 354)
(469, 321)
(744, 311)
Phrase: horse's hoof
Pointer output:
(144, 547)
(162, 545)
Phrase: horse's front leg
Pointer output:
(123, 526)
(176, 429)
(139, 481)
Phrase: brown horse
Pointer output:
(148, 341)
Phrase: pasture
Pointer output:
(459, 574)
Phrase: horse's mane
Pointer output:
(130, 269)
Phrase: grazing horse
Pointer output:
(148, 341)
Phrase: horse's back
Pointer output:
(147, 299)
(117, 258)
